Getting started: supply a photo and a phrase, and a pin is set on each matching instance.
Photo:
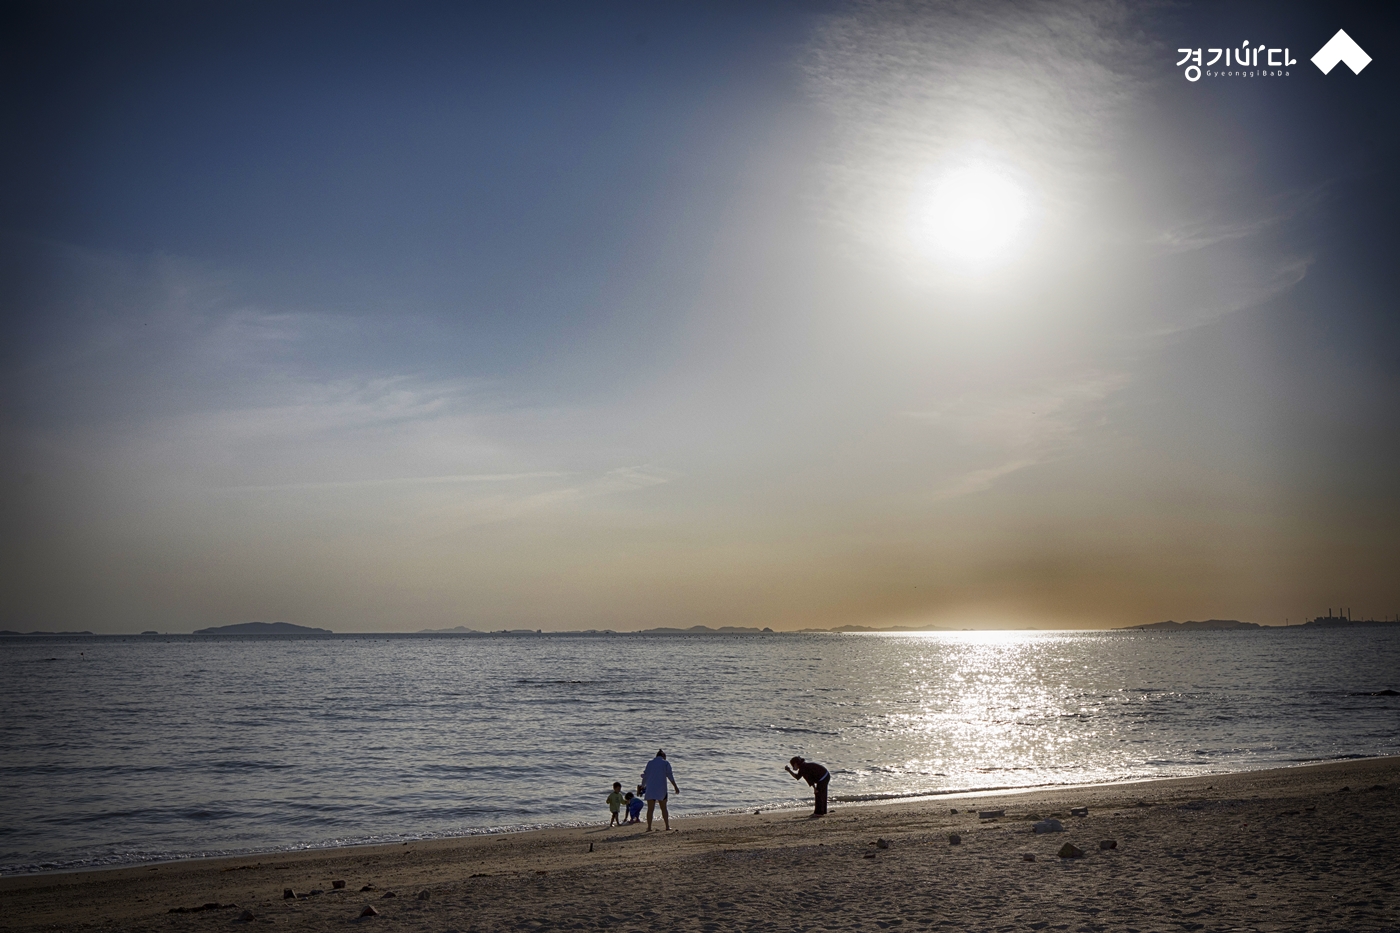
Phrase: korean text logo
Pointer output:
(1244, 62)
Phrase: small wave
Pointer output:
(1310, 761)
(800, 730)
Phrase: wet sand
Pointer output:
(1307, 848)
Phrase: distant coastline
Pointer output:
(1234, 624)
(9, 634)
(292, 629)
(692, 630)
(1205, 625)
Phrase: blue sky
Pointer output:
(390, 317)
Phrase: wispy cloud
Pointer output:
(213, 402)
(1009, 432)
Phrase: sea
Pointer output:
(120, 750)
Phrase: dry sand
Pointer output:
(1308, 848)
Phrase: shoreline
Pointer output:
(845, 801)
(1320, 842)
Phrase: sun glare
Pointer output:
(973, 215)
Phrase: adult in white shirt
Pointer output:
(654, 778)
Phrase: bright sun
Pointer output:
(973, 215)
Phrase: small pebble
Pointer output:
(247, 915)
(288, 894)
(882, 843)
(368, 887)
(1070, 850)
(1108, 844)
(337, 884)
(954, 839)
(369, 912)
(423, 895)
(1028, 857)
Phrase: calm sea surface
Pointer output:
(121, 750)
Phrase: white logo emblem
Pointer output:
(1341, 48)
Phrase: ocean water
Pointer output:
(119, 750)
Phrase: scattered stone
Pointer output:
(1344, 789)
(870, 855)
(954, 839)
(882, 843)
(1049, 826)
(1107, 844)
(369, 912)
(1070, 850)
(590, 847)
(990, 814)
(423, 895)
(1079, 811)
(368, 887)
(247, 916)
(288, 894)
(757, 812)
(1376, 787)
(387, 894)
(1028, 857)
(315, 891)
(338, 884)
(1143, 803)
(954, 811)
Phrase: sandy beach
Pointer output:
(1306, 848)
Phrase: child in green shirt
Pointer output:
(615, 803)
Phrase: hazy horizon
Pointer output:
(621, 316)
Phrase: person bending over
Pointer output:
(816, 776)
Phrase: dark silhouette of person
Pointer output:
(816, 776)
(654, 778)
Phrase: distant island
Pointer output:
(9, 634)
(263, 628)
(706, 630)
(1207, 624)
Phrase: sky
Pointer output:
(392, 317)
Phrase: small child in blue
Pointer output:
(634, 808)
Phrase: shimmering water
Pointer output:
(117, 750)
